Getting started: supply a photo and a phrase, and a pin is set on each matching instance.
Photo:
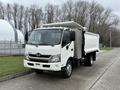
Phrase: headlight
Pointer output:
(26, 57)
(55, 58)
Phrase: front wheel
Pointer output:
(68, 70)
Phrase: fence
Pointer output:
(11, 48)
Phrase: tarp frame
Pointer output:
(68, 24)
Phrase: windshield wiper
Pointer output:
(32, 43)
(43, 44)
(46, 44)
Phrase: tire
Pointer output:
(94, 56)
(38, 71)
(67, 72)
(89, 60)
(77, 63)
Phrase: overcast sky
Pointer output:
(112, 4)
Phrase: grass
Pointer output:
(106, 48)
(11, 65)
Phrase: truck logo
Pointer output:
(38, 54)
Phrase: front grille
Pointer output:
(41, 56)
(38, 60)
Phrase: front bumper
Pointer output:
(43, 66)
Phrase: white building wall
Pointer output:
(6, 31)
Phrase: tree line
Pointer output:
(89, 14)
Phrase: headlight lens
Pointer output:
(55, 58)
(26, 57)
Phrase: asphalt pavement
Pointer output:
(103, 75)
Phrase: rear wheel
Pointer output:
(77, 63)
(89, 60)
(38, 71)
(68, 70)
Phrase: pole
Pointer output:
(110, 40)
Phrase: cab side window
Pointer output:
(66, 38)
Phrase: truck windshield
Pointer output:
(45, 37)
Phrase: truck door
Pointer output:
(67, 49)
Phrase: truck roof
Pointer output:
(68, 24)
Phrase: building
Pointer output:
(9, 33)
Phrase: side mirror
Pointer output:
(72, 35)
(26, 36)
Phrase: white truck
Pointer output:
(59, 47)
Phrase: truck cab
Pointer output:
(49, 48)
(53, 48)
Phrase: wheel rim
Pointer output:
(69, 69)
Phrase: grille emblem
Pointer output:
(38, 54)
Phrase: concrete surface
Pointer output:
(103, 75)
(9, 77)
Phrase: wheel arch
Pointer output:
(69, 59)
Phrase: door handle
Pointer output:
(72, 49)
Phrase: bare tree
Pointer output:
(35, 17)
(38, 17)
(49, 13)
(80, 14)
(32, 17)
(57, 14)
(20, 17)
(95, 12)
(67, 9)
(15, 14)
(8, 12)
(2, 11)
(115, 33)
(25, 23)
